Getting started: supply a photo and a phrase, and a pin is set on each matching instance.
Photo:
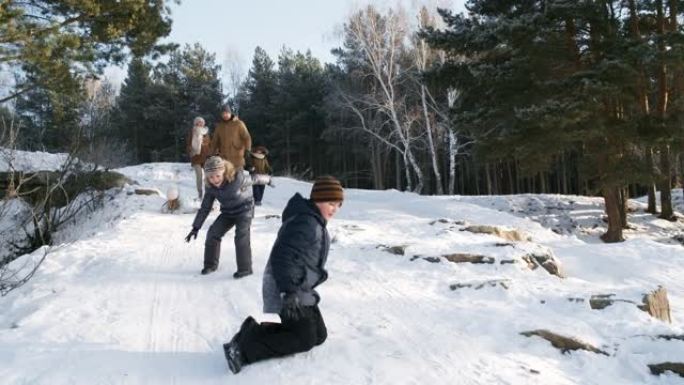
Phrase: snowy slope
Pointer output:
(121, 301)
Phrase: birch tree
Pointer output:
(381, 40)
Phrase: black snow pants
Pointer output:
(243, 248)
(271, 339)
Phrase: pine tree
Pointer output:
(133, 99)
(255, 98)
(540, 78)
(58, 41)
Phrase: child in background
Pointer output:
(260, 170)
(232, 189)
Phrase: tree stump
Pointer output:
(657, 305)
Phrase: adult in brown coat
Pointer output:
(231, 139)
(198, 145)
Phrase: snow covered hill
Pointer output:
(120, 299)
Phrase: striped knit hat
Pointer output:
(214, 165)
(327, 189)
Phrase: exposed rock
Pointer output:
(507, 261)
(655, 303)
(479, 285)
(669, 337)
(146, 191)
(565, 344)
(40, 182)
(445, 221)
(351, 227)
(679, 238)
(396, 250)
(468, 258)
(272, 216)
(504, 244)
(545, 260)
(674, 367)
(510, 235)
(429, 259)
(602, 301)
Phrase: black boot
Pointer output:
(233, 355)
(247, 325)
(208, 270)
(240, 274)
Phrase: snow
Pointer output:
(119, 299)
(30, 161)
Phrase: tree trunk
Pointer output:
(518, 178)
(665, 185)
(624, 207)
(511, 182)
(452, 160)
(476, 174)
(288, 165)
(489, 179)
(431, 143)
(611, 196)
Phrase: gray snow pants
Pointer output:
(243, 248)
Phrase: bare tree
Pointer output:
(381, 40)
(234, 70)
(422, 57)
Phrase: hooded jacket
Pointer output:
(230, 140)
(235, 198)
(297, 260)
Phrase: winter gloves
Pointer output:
(292, 309)
(192, 234)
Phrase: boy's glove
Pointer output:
(192, 234)
(291, 310)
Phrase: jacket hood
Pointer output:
(298, 205)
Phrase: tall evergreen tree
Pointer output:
(297, 112)
(57, 41)
(542, 77)
(256, 97)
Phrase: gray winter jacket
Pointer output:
(235, 198)
(297, 260)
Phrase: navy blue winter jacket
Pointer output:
(235, 198)
(297, 260)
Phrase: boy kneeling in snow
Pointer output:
(294, 268)
(233, 191)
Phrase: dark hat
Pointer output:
(226, 108)
(327, 189)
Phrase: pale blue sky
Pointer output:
(232, 27)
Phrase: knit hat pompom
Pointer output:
(327, 189)
(214, 165)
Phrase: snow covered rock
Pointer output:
(565, 344)
(509, 235)
(674, 367)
